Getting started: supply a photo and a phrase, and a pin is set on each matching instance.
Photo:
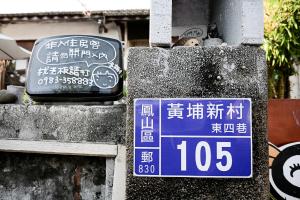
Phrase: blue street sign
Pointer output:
(190, 137)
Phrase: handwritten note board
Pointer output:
(75, 67)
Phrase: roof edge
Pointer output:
(132, 12)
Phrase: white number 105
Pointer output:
(207, 162)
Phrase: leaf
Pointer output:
(289, 32)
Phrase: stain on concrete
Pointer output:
(68, 123)
(49, 177)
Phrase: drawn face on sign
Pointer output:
(105, 77)
(284, 163)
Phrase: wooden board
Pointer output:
(284, 121)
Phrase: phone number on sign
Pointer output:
(65, 80)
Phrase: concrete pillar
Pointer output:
(238, 21)
(202, 72)
(160, 23)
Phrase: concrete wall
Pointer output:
(63, 123)
(53, 129)
(33, 176)
(203, 72)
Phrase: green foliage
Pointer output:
(27, 100)
(282, 43)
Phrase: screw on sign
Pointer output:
(75, 67)
(200, 137)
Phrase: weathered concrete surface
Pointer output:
(67, 123)
(160, 23)
(35, 177)
(190, 12)
(239, 21)
(222, 72)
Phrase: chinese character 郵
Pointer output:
(147, 156)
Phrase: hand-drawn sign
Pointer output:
(76, 49)
(284, 163)
(105, 77)
(192, 32)
(75, 66)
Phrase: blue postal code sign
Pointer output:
(193, 138)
